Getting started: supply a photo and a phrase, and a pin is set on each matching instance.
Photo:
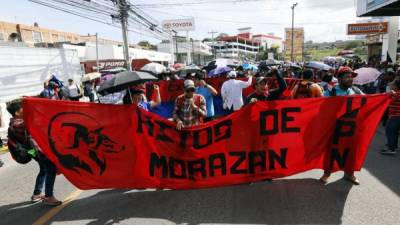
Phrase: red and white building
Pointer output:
(244, 45)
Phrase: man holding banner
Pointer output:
(345, 87)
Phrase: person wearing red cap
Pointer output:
(138, 98)
(345, 87)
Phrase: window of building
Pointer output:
(2, 37)
(37, 37)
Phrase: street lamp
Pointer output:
(293, 6)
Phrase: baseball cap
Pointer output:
(344, 70)
(188, 84)
(232, 74)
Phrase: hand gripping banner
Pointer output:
(114, 146)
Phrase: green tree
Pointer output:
(352, 45)
(147, 45)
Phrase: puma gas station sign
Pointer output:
(179, 25)
(367, 28)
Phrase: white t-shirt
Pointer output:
(231, 92)
(73, 90)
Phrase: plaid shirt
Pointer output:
(184, 112)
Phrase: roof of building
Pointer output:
(236, 37)
(267, 36)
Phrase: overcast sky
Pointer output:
(322, 20)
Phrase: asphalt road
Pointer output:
(299, 199)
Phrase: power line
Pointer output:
(245, 22)
(92, 18)
(163, 5)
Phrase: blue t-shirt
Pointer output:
(209, 100)
(144, 105)
(340, 92)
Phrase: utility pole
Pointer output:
(192, 51)
(213, 43)
(171, 47)
(124, 7)
(176, 46)
(97, 52)
(188, 53)
(291, 55)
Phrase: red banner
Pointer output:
(114, 146)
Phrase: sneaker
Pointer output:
(324, 179)
(37, 198)
(1, 163)
(351, 179)
(52, 201)
(388, 152)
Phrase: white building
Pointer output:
(269, 40)
(200, 52)
(106, 52)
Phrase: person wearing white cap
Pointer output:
(232, 91)
(190, 108)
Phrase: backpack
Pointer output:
(86, 91)
(356, 90)
(18, 151)
(304, 90)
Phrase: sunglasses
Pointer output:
(190, 90)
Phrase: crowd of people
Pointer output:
(196, 106)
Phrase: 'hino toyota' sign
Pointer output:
(178, 25)
(367, 28)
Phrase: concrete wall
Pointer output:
(117, 52)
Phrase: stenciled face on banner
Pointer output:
(81, 143)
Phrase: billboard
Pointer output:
(178, 25)
(298, 43)
(367, 28)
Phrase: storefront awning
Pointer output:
(378, 8)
